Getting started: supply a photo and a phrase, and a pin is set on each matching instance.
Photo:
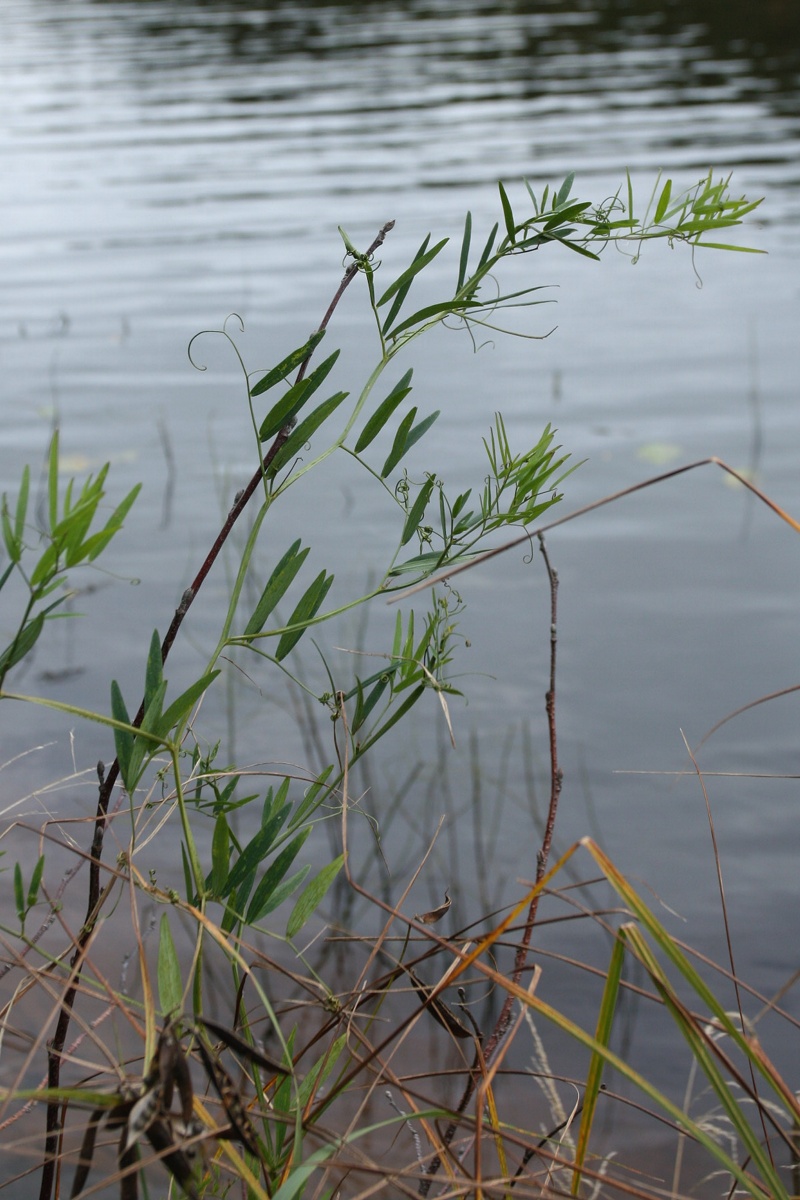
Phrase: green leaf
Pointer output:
(424, 564)
(465, 244)
(487, 249)
(277, 585)
(312, 798)
(396, 716)
(412, 438)
(417, 510)
(22, 644)
(36, 880)
(22, 505)
(52, 481)
(220, 854)
(123, 739)
(306, 609)
(455, 307)
(399, 444)
(154, 675)
(663, 202)
(312, 896)
(508, 215)
(294, 399)
(304, 431)
(274, 875)
(255, 851)
(92, 547)
(288, 364)
(564, 190)
(402, 292)
(282, 892)
(181, 707)
(19, 892)
(320, 1071)
(170, 986)
(417, 265)
(384, 410)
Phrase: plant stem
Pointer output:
(520, 960)
(56, 1046)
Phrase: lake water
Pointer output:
(166, 164)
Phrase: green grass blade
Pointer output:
(594, 1077)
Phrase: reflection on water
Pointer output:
(168, 163)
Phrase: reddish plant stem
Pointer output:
(521, 957)
(56, 1045)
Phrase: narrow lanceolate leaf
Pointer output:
(508, 215)
(304, 612)
(22, 644)
(312, 896)
(220, 854)
(13, 544)
(406, 437)
(455, 308)
(22, 504)
(282, 892)
(123, 739)
(170, 986)
(564, 190)
(320, 1071)
(19, 892)
(663, 202)
(255, 851)
(52, 482)
(98, 542)
(401, 293)
(180, 708)
(487, 249)
(305, 430)
(399, 444)
(289, 364)
(36, 880)
(313, 797)
(274, 875)
(277, 585)
(384, 411)
(154, 673)
(465, 244)
(417, 265)
(293, 400)
(417, 511)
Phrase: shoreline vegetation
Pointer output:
(215, 1069)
